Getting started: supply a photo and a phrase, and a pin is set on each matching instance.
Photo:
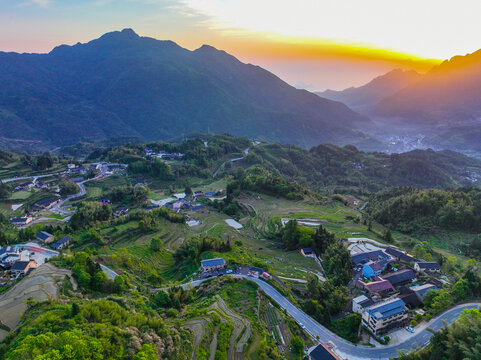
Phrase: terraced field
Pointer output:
(240, 335)
(40, 285)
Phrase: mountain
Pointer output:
(449, 94)
(126, 85)
(366, 97)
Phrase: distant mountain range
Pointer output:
(365, 98)
(126, 85)
(443, 105)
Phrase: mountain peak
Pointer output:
(125, 34)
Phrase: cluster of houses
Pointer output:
(164, 155)
(14, 262)
(387, 283)
(47, 238)
(41, 205)
(30, 184)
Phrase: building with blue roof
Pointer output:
(386, 315)
(211, 265)
(374, 255)
(62, 243)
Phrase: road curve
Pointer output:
(343, 347)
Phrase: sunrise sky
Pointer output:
(314, 44)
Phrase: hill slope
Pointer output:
(125, 85)
(366, 97)
(330, 168)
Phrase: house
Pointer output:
(45, 237)
(399, 255)
(198, 194)
(323, 352)
(62, 243)
(23, 267)
(181, 204)
(378, 286)
(23, 220)
(421, 290)
(211, 265)
(374, 268)
(41, 185)
(427, 267)
(374, 255)
(360, 303)
(401, 277)
(307, 252)
(47, 203)
(384, 316)
(121, 211)
(24, 186)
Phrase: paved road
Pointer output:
(34, 177)
(343, 347)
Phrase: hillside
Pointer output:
(364, 98)
(448, 94)
(126, 85)
(327, 167)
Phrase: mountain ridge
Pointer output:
(123, 84)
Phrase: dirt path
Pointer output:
(213, 344)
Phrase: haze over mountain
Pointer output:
(125, 85)
(364, 98)
(448, 94)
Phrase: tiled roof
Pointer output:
(213, 262)
(423, 289)
(368, 256)
(400, 255)
(429, 265)
(20, 266)
(42, 235)
(64, 240)
(401, 276)
(321, 353)
(386, 309)
(380, 285)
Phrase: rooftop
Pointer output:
(387, 308)
(20, 265)
(423, 289)
(42, 235)
(369, 256)
(213, 262)
(401, 276)
(322, 352)
(429, 265)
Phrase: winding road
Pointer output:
(343, 347)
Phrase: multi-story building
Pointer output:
(386, 315)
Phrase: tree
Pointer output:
(297, 345)
(322, 240)
(188, 190)
(290, 235)
(155, 244)
(68, 188)
(4, 191)
(461, 290)
(419, 251)
(388, 236)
